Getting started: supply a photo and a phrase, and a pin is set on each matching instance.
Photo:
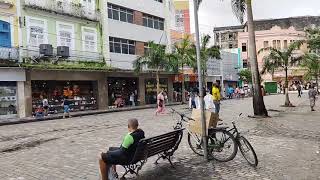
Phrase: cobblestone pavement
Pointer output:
(286, 145)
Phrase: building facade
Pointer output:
(181, 20)
(79, 49)
(278, 33)
(227, 37)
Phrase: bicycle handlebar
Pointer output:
(182, 115)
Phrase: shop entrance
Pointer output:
(151, 89)
(81, 94)
(120, 89)
(8, 99)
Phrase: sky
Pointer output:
(215, 13)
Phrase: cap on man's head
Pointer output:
(133, 123)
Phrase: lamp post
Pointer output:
(202, 118)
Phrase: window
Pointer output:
(245, 64)
(65, 35)
(89, 5)
(244, 47)
(285, 44)
(119, 13)
(146, 48)
(278, 44)
(122, 46)
(265, 44)
(153, 22)
(89, 39)
(274, 44)
(5, 34)
(159, 1)
(230, 46)
(36, 31)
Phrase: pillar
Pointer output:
(170, 89)
(24, 98)
(102, 93)
(142, 90)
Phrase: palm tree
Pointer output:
(269, 65)
(155, 59)
(311, 62)
(184, 57)
(206, 52)
(282, 59)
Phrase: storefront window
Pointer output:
(151, 89)
(8, 98)
(120, 90)
(81, 94)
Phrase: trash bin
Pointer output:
(270, 87)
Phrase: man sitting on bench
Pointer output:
(124, 153)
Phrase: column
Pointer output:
(142, 90)
(170, 89)
(24, 99)
(102, 94)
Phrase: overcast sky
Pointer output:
(218, 13)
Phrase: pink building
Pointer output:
(275, 37)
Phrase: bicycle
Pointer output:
(219, 140)
(244, 146)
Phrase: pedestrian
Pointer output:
(192, 101)
(299, 90)
(208, 102)
(131, 99)
(66, 107)
(242, 93)
(160, 103)
(197, 100)
(312, 97)
(230, 92)
(45, 105)
(216, 97)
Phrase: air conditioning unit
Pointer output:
(46, 49)
(63, 51)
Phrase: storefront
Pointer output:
(190, 84)
(8, 99)
(120, 89)
(82, 94)
(151, 89)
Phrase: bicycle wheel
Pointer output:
(247, 151)
(195, 143)
(222, 145)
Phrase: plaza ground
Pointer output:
(287, 145)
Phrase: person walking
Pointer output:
(66, 107)
(312, 97)
(216, 97)
(45, 105)
(299, 90)
(208, 102)
(160, 103)
(131, 99)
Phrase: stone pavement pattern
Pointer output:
(286, 145)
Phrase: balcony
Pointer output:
(6, 4)
(64, 7)
(9, 53)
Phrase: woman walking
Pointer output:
(160, 103)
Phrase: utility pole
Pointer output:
(202, 118)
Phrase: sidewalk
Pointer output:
(12, 121)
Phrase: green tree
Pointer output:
(155, 59)
(313, 39)
(245, 75)
(282, 59)
(183, 56)
(311, 62)
(206, 52)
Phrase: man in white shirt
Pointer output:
(208, 102)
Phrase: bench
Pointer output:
(162, 145)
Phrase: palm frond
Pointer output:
(239, 9)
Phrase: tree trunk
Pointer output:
(259, 108)
(158, 82)
(183, 91)
(286, 89)
(317, 82)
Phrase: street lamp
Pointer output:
(202, 118)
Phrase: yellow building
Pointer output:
(8, 24)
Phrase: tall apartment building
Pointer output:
(227, 37)
(81, 49)
(181, 20)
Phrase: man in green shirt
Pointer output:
(124, 153)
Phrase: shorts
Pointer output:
(115, 156)
(66, 109)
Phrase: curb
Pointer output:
(80, 114)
